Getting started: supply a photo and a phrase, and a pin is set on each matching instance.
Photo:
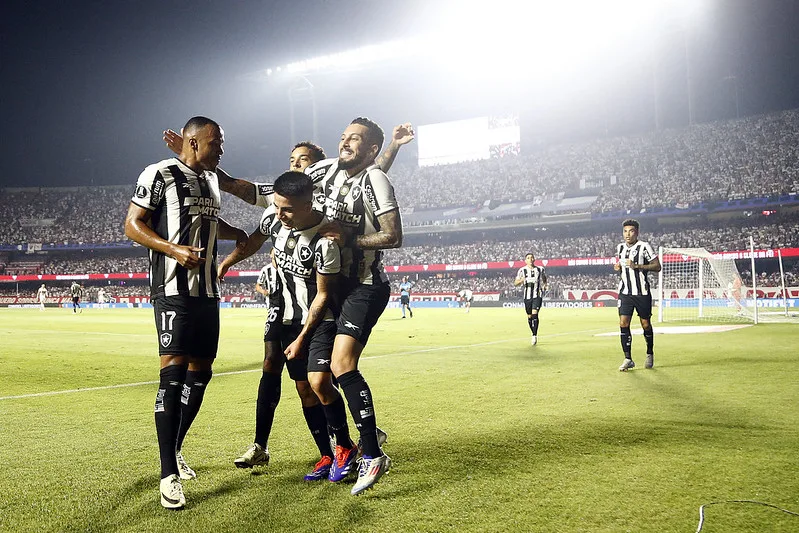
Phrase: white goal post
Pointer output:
(693, 284)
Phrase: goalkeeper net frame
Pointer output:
(693, 284)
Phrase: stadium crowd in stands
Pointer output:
(720, 238)
(747, 158)
(733, 236)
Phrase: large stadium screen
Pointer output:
(468, 140)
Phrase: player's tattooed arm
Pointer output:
(237, 187)
(325, 285)
(389, 236)
(240, 253)
(402, 135)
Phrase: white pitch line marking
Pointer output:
(426, 350)
(60, 332)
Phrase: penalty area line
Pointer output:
(234, 372)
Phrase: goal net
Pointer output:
(696, 285)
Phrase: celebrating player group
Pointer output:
(327, 221)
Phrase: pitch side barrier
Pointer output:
(410, 269)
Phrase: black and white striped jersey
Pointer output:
(299, 255)
(75, 290)
(185, 211)
(534, 278)
(267, 278)
(356, 202)
(634, 282)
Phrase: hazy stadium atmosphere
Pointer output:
(519, 127)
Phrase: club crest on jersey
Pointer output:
(141, 191)
(305, 252)
(319, 199)
(166, 339)
(344, 190)
(291, 243)
(356, 192)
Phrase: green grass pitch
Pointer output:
(487, 433)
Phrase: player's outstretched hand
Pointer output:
(403, 134)
(173, 141)
(188, 256)
(616, 266)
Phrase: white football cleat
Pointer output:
(369, 472)
(534, 341)
(256, 455)
(172, 496)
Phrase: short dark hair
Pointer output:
(294, 184)
(198, 122)
(376, 135)
(529, 253)
(317, 153)
(631, 222)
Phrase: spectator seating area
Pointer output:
(753, 157)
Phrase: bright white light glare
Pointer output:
(516, 39)
(355, 58)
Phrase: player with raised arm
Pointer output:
(534, 280)
(174, 213)
(634, 259)
(405, 296)
(303, 154)
(356, 193)
(300, 327)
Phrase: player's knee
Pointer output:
(200, 365)
(174, 360)
(307, 395)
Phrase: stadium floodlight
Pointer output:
(353, 59)
(517, 38)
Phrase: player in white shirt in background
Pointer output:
(41, 295)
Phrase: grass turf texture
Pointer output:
(487, 433)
